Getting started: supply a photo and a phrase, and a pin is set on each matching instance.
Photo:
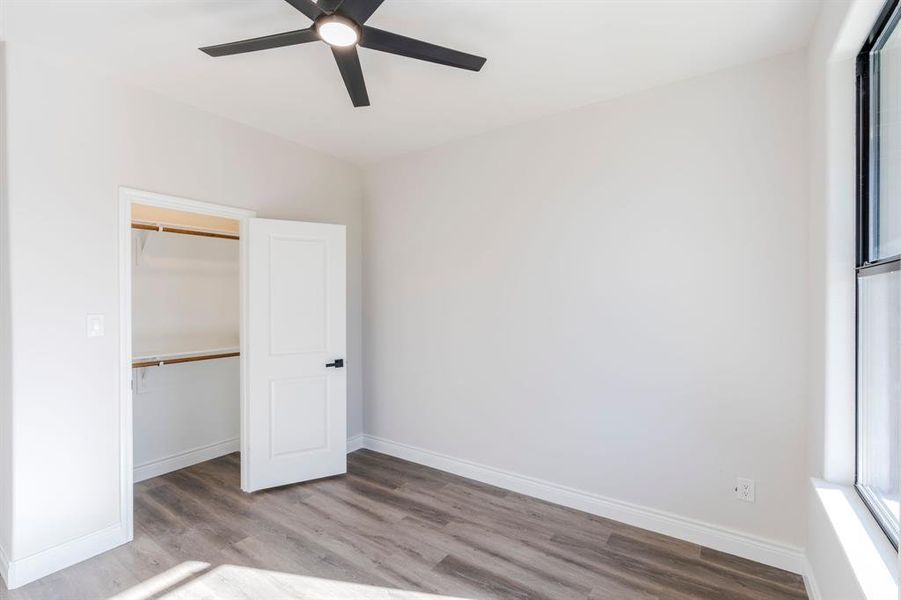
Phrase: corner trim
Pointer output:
(4, 567)
(184, 459)
(31, 568)
(769, 552)
(354, 443)
(810, 582)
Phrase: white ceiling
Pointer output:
(544, 56)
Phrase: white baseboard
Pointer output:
(810, 582)
(205, 453)
(719, 538)
(354, 443)
(31, 568)
(23, 571)
(185, 459)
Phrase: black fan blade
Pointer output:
(289, 38)
(359, 10)
(307, 7)
(349, 64)
(329, 6)
(385, 41)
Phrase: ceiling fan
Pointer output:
(341, 25)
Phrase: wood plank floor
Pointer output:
(390, 530)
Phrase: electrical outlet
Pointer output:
(744, 489)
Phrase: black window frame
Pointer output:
(867, 81)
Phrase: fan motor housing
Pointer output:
(338, 30)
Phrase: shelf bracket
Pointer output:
(141, 241)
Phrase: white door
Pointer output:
(295, 394)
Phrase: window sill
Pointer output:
(867, 549)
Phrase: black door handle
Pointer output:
(338, 364)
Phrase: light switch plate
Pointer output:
(95, 326)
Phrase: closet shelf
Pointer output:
(174, 359)
(183, 230)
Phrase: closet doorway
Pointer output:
(185, 327)
(233, 338)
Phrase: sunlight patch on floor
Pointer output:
(166, 580)
(193, 580)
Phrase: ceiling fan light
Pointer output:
(338, 31)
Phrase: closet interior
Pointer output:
(185, 338)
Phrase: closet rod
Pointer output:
(167, 229)
(174, 361)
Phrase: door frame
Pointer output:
(128, 196)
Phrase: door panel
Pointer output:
(298, 295)
(295, 406)
(299, 411)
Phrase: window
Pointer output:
(878, 274)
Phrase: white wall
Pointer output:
(838, 35)
(832, 230)
(185, 414)
(611, 299)
(185, 293)
(74, 138)
(185, 298)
